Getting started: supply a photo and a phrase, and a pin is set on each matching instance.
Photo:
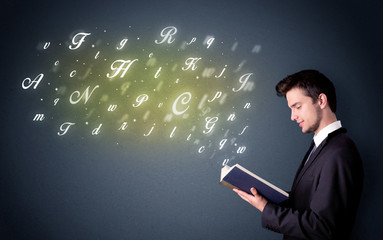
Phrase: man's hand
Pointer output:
(256, 199)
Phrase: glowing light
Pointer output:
(157, 82)
(185, 100)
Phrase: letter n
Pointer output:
(86, 95)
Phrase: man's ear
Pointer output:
(322, 100)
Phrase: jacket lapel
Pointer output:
(303, 161)
(303, 167)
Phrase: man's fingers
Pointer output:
(242, 194)
(254, 191)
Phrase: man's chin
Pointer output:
(307, 130)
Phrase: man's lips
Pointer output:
(300, 123)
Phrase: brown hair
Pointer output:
(312, 82)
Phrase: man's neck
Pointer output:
(327, 119)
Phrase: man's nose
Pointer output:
(293, 115)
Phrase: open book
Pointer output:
(241, 178)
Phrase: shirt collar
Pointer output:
(323, 134)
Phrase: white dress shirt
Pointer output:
(323, 134)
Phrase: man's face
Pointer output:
(307, 114)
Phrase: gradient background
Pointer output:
(75, 188)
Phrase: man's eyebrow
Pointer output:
(295, 104)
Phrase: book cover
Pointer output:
(241, 178)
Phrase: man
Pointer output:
(326, 190)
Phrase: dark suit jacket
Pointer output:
(325, 193)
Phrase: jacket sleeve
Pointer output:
(332, 206)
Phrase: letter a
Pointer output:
(28, 82)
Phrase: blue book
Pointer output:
(241, 178)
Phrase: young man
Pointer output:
(327, 187)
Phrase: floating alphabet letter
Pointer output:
(121, 67)
(64, 128)
(140, 99)
(185, 100)
(190, 63)
(243, 79)
(28, 82)
(39, 117)
(167, 34)
(77, 43)
(85, 95)
(210, 123)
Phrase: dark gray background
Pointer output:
(60, 188)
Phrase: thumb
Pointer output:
(253, 191)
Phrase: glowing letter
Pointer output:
(73, 73)
(221, 72)
(39, 117)
(121, 67)
(243, 130)
(243, 79)
(188, 138)
(231, 117)
(64, 128)
(77, 43)
(167, 34)
(122, 43)
(191, 41)
(56, 101)
(158, 73)
(112, 107)
(36, 81)
(96, 131)
(190, 62)
(46, 45)
(85, 95)
(241, 150)
(150, 131)
(140, 99)
(210, 41)
(217, 95)
(210, 123)
(201, 149)
(222, 143)
(172, 134)
(225, 162)
(123, 126)
(184, 101)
